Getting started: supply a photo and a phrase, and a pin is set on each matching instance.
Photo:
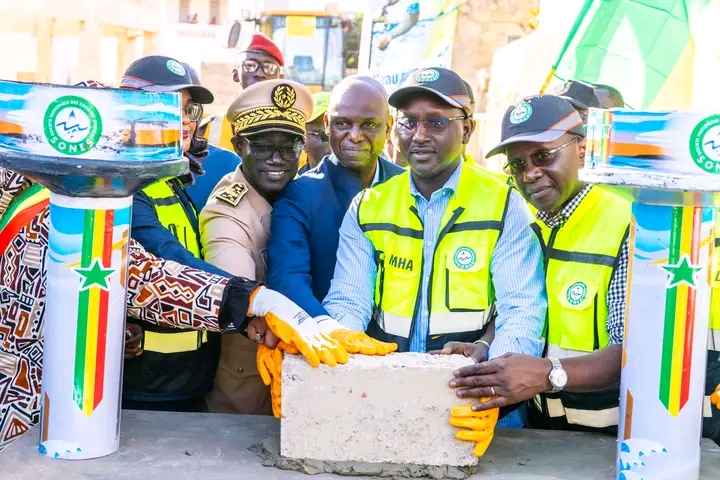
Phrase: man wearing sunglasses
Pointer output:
(261, 60)
(423, 256)
(175, 368)
(584, 232)
(268, 120)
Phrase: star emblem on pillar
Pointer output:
(681, 272)
(94, 275)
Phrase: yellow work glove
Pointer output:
(269, 364)
(352, 341)
(715, 397)
(479, 426)
(294, 326)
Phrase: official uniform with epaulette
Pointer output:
(268, 121)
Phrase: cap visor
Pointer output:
(401, 95)
(576, 103)
(199, 94)
(314, 117)
(272, 129)
(539, 137)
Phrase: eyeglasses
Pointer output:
(322, 136)
(288, 151)
(193, 110)
(251, 66)
(516, 166)
(432, 124)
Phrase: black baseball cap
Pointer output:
(580, 95)
(441, 82)
(157, 73)
(539, 119)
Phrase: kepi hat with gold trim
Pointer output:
(271, 106)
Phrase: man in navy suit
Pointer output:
(306, 219)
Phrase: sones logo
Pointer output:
(72, 125)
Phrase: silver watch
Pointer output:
(558, 376)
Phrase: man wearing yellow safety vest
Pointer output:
(175, 368)
(423, 256)
(584, 232)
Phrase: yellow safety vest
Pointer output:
(172, 215)
(460, 285)
(714, 330)
(580, 258)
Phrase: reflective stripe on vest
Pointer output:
(173, 216)
(460, 285)
(580, 259)
(22, 209)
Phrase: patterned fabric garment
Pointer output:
(159, 292)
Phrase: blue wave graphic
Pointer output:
(653, 233)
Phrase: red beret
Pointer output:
(261, 43)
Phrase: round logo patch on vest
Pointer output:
(176, 67)
(464, 258)
(576, 293)
(705, 144)
(72, 125)
(520, 113)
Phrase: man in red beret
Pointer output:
(261, 60)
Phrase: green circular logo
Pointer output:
(576, 293)
(72, 125)
(705, 144)
(520, 113)
(176, 67)
(464, 258)
(428, 75)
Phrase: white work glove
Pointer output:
(294, 326)
(352, 341)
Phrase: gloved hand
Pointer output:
(352, 341)
(269, 364)
(480, 426)
(715, 397)
(292, 325)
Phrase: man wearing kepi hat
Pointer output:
(424, 255)
(268, 121)
(584, 231)
(261, 60)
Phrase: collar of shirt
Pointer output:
(376, 177)
(450, 185)
(555, 220)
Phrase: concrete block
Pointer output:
(391, 409)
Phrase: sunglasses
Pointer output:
(516, 166)
(251, 66)
(432, 124)
(288, 151)
(193, 110)
(322, 136)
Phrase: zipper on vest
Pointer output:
(418, 295)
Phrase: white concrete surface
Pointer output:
(391, 409)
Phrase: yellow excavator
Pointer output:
(313, 46)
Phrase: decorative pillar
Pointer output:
(85, 145)
(666, 164)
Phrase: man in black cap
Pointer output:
(584, 231)
(423, 256)
(581, 96)
(609, 96)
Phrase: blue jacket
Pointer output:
(305, 227)
(218, 163)
(155, 238)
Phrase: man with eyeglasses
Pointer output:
(268, 121)
(424, 255)
(317, 144)
(261, 60)
(584, 231)
(175, 368)
(306, 218)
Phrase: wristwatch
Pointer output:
(558, 376)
